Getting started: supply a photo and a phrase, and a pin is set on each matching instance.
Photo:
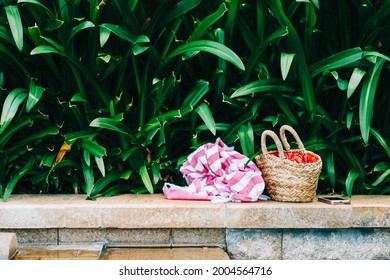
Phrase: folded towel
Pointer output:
(218, 173)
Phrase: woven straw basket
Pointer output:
(287, 180)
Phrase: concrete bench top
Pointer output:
(155, 211)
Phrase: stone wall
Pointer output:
(262, 230)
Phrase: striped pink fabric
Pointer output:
(217, 172)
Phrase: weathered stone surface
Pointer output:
(8, 245)
(117, 237)
(96, 252)
(198, 237)
(60, 252)
(371, 211)
(165, 254)
(154, 211)
(272, 214)
(82, 213)
(35, 211)
(335, 244)
(36, 236)
(254, 244)
(260, 230)
(32, 216)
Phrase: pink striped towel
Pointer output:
(218, 173)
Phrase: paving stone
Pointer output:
(204, 253)
(198, 237)
(272, 214)
(35, 236)
(336, 244)
(60, 252)
(8, 245)
(253, 230)
(254, 244)
(96, 252)
(123, 237)
(154, 211)
(32, 216)
(371, 211)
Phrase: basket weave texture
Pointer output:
(284, 179)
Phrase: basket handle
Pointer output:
(275, 138)
(294, 134)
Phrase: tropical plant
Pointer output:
(106, 97)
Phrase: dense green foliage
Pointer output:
(107, 97)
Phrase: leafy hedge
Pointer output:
(108, 97)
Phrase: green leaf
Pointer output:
(339, 60)
(231, 19)
(34, 95)
(93, 147)
(10, 107)
(350, 181)
(253, 59)
(342, 84)
(73, 136)
(36, 2)
(354, 81)
(141, 45)
(246, 137)
(100, 165)
(270, 85)
(297, 48)
(111, 177)
(173, 114)
(78, 97)
(52, 24)
(87, 157)
(62, 164)
(16, 126)
(382, 166)
(22, 143)
(330, 166)
(349, 119)
(212, 47)
(126, 154)
(80, 27)
(316, 3)
(143, 171)
(114, 125)
(119, 31)
(156, 173)
(16, 177)
(110, 124)
(385, 175)
(178, 10)
(104, 34)
(204, 112)
(208, 22)
(116, 189)
(381, 140)
(15, 24)
(235, 126)
(286, 60)
(366, 105)
(89, 177)
(43, 49)
(48, 159)
(196, 94)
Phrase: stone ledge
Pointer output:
(156, 212)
